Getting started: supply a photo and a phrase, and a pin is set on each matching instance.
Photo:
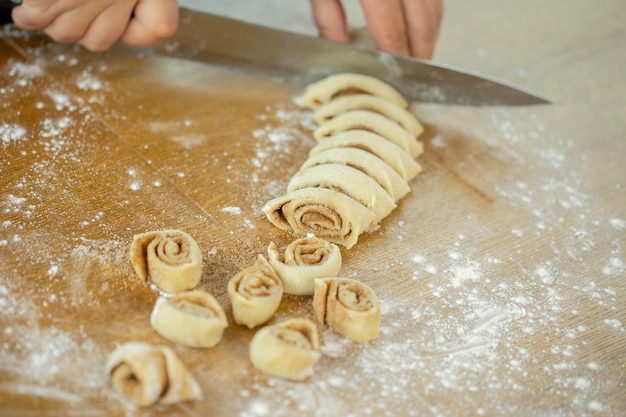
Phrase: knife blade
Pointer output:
(303, 59)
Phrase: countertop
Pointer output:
(500, 276)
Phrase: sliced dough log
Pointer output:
(148, 374)
(375, 144)
(302, 261)
(351, 182)
(373, 122)
(190, 318)
(366, 162)
(336, 85)
(348, 306)
(325, 213)
(288, 349)
(255, 293)
(171, 259)
(375, 104)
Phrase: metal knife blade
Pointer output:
(303, 59)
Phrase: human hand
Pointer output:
(406, 27)
(98, 24)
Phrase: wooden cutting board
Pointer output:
(500, 276)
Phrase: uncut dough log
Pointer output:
(373, 122)
(302, 261)
(375, 104)
(149, 374)
(170, 259)
(288, 349)
(336, 85)
(375, 144)
(348, 306)
(327, 214)
(255, 293)
(368, 163)
(191, 318)
(351, 182)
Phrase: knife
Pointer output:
(303, 59)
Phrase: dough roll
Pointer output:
(348, 306)
(255, 293)
(392, 154)
(288, 349)
(351, 182)
(373, 122)
(368, 163)
(337, 85)
(149, 374)
(302, 261)
(170, 259)
(191, 318)
(371, 103)
(325, 213)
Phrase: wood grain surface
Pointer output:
(501, 275)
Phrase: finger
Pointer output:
(153, 21)
(36, 14)
(385, 21)
(423, 23)
(73, 22)
(108, 27)
(330, 19)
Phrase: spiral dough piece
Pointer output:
(288, 349)
(149, 374)
(325, 213)
(348, 306)
(255, 293)
(170, 259)
(337, 85)
(302, 261)
(190, 318)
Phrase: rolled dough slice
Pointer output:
(325, 213)
(149, 374)
(351, 182)
(255, 293)
(336, 85)
(348, 306)
(170, 259)
(375, 144)
(191, 318)
(288, 349)
(302, 261)
(366, 162)
(373, 122)
(384, 107)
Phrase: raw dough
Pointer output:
(336, 85)
(302, 261)
(375, 144)
(255, 293)
(348, 306)
(366, 162)
(190, 318)
(349, 181)
(170, 259)
(375, 104)
(373, 122)
(288, 349)
(148, 374)
(325, 213)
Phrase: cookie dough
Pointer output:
(191, 318)
(348, 306)
(170, 259)
(288, 349)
